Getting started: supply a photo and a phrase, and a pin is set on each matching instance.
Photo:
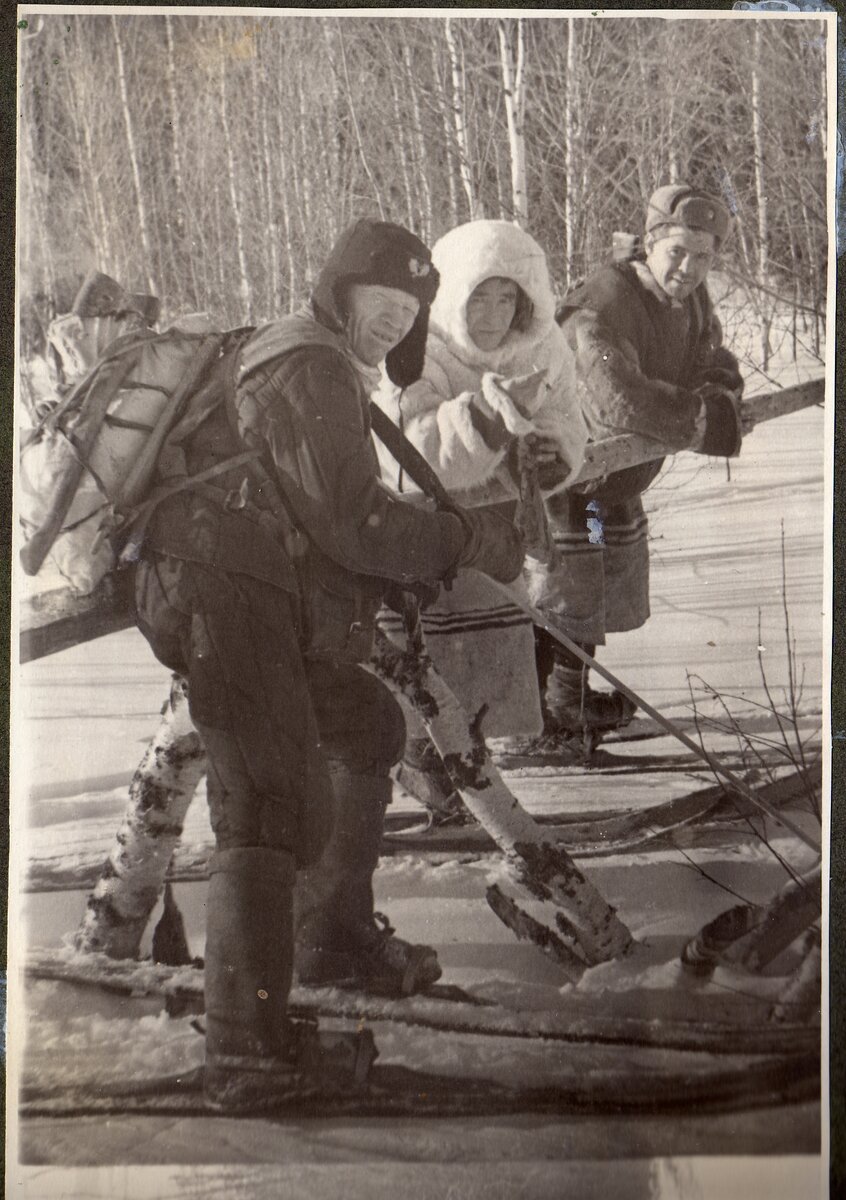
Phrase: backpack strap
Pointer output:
(409, 458)
(134, 523)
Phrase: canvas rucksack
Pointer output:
(88, 468)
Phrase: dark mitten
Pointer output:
(493, 544)
(723, 431)
(725, 377)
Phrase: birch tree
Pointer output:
(141, 208)
(513, 59)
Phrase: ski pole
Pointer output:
(715, 765)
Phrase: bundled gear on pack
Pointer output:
(88, 468)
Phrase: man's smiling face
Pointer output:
(679, 259)
(378, 318)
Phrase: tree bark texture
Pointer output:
(133, 878)
(539, 866)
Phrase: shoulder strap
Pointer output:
(409, 457)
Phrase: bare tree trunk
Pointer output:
(459, 119)
(408, 191)
(265, 175)
(301, 180)
(92, 189)
(38, 221)
(359, 142)
(183, 215)
(513, 83)
(159, 794)
(170, 76)
(570, 155)
(245, 290)
(425, 204)
(143, 227)
(287, 228)
(448, 136)
(337, 216)
(760, 192)
(502, 202)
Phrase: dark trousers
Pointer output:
(549, 653)
(275, 725)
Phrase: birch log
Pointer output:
(753, 935)
(586, 923)
(61, 619)
(802, 997)
(133, 878)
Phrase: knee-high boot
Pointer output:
(339, 937)
(249, 962)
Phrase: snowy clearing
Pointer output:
(716, 562)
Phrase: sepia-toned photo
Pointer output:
(421, 604)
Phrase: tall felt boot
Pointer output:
(341, 941)
(248, 967)
(256, 1058)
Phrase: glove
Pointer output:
(723, 431)
(493, 544)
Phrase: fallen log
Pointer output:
(120, 906)
(752, 935)
(627, 450)
(59, 619)
(133, 877)
(589, 926)
(801, 999)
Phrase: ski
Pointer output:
(400, 1091)
(448, 1008)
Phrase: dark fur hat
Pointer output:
(680, 204)
(380, 252)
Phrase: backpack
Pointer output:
(88, 468)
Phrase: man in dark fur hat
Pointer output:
(262, 590)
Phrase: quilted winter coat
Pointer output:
(638, 358)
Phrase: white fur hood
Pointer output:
(472, 253)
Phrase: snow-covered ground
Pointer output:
(87, 713)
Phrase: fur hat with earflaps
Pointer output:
(680, 204)
(379, 252)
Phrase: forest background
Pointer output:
(213, 160)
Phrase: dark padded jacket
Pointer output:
(638, 360)
(339, 533)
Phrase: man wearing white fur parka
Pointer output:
(497, 369)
